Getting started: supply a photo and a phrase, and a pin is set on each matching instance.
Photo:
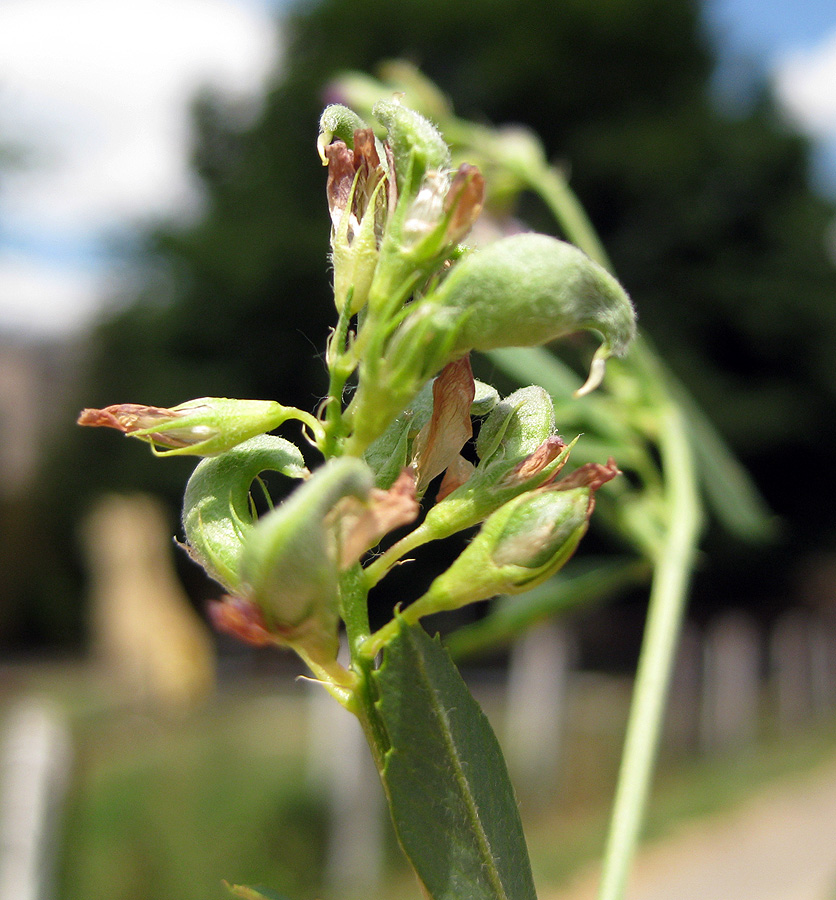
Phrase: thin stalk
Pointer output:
(339, 370)
(376, 570)
(354, 608)
(570, 214)
(667, 603)
(671, 575)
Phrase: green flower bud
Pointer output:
(416, 144)
(359, 195)
(487, 396)
(217, 510)
(340, 122)
(285, 578)
(518, 547)
(204, 427)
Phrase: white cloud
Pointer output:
(96, 92)
(97, 89)
(37, 298)
(805, 82)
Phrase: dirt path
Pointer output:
(779, 845)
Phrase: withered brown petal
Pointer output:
(458, 472)
(536, 461)
(126, 417)
(361, 525)
(440, 441)
(365, 150)
(242, 619)
(341, 172)
(465, 198)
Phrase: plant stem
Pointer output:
(354, 602)
(567, 209)
(669, 587)
(667, 603)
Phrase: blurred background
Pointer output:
(164, 236)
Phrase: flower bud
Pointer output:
(217, 510)
(416, 145)
(359, 197)
(204, 427)
(520, 545)
(288, 563)
(518, 450)
(340, 122)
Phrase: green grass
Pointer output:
(164, 809)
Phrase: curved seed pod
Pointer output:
(340, 122)
(289, 566)
(524, 291)
(217, 515)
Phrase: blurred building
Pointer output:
(35, 379)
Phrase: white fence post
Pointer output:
(731, 683)
(34, 768)
(535, 705)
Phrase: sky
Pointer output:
(93, 101)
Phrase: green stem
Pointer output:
(376, 570)
(340, 368)
(670, 579)
(667, 603)
(354, 607)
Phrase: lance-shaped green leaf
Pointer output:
(217, 511)
(391, 451)
(451, 801)
(523, 291)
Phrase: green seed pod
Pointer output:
(217, 514)
(204, 427)
(340, 122)
(289, 567)
(519, 546)
(520, 423)
(524, 291)
(417, 146)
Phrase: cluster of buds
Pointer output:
(412, 303)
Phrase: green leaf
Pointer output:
(451, 800)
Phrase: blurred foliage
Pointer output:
(709, 220)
